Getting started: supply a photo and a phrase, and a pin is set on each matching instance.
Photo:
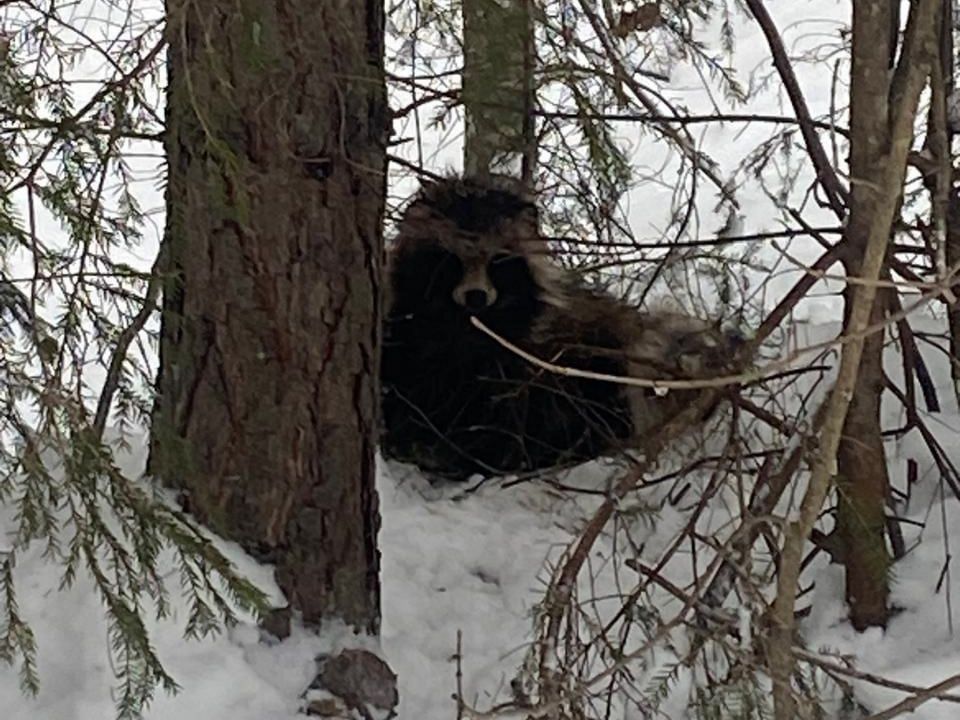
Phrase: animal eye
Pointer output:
(446, 264)
(430, 272)
(501, 258)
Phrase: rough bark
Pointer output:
(862, 490)
(862, 478)
(267, 409)
(941, 128)
(498, 88)
(952, 252)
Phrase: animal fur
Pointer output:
(456, 402)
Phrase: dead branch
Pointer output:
(908, 705)
(562, 586)
(767, 327)
(831, 667)
(826, 173)
(692, 119)
(126, 337)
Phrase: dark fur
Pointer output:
(456, 402)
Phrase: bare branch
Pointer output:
(826, 173)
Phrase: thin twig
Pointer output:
(847, 671)
(119, 356)
(826, 174)
(910, 704)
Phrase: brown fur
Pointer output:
(456, 402)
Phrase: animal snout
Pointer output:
(475, 299)
(475, 292)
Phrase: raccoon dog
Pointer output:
(455, 401)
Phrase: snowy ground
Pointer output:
(474, 563)
(448, 564)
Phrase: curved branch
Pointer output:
(826, 173)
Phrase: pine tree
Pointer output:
(266, 414)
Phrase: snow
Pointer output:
(917, 647)
(458, 559)
(449, 563)
(477, 562)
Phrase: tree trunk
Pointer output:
(946, 197)
(498, 89)
(883, 91)
(862, 471)
(862, 487)
(952, 252)
(269, 352)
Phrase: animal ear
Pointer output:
(428, 185)
(522, 208)
(419, 209)
(504, 183)
(423, 205)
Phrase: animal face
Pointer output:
(497, 280)
(470, 251)
(456, 402)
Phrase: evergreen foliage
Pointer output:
(78, 117)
